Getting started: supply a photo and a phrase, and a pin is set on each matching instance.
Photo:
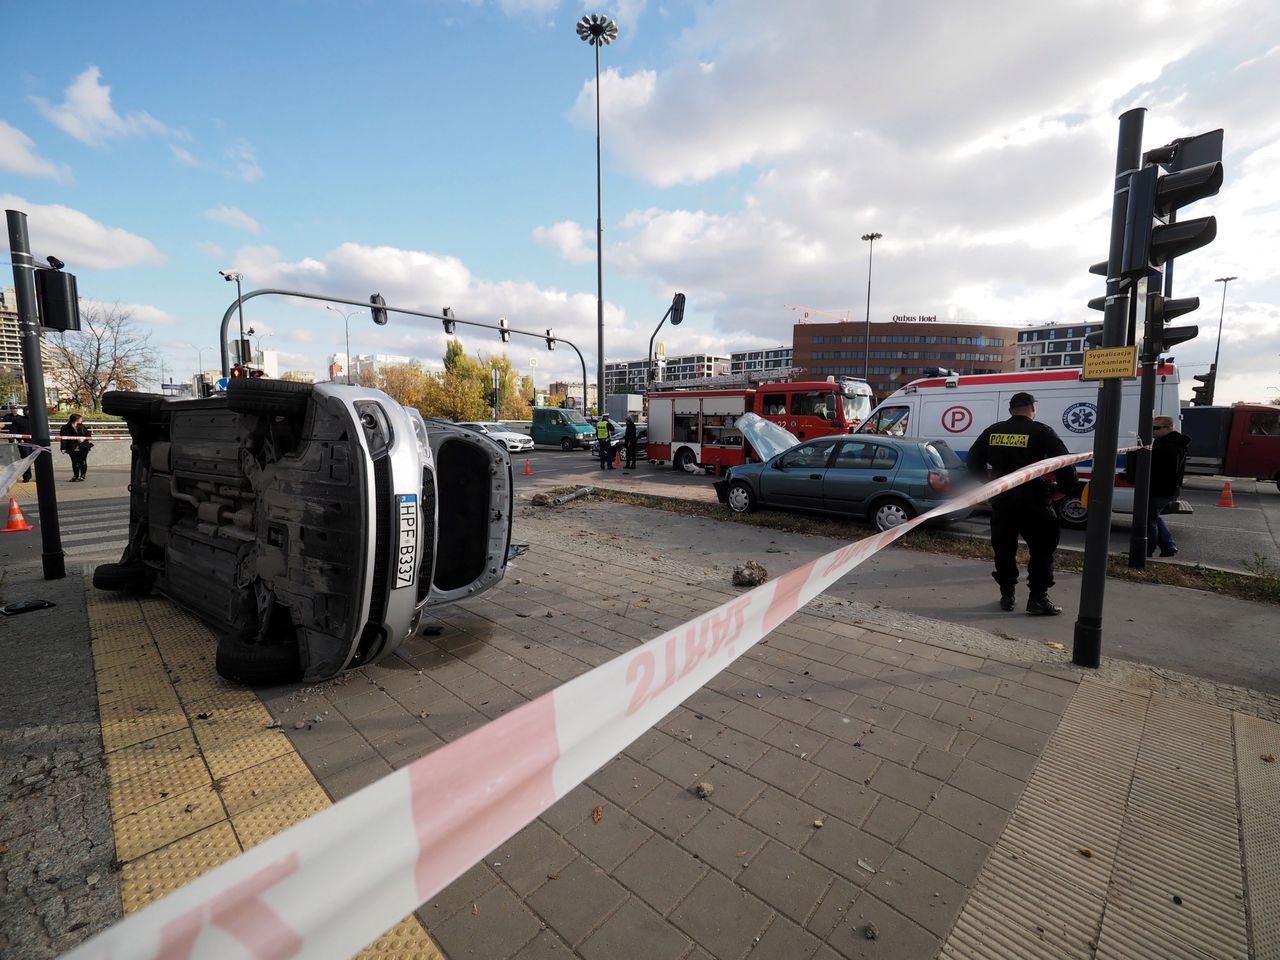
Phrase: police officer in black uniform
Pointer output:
(1026, 509)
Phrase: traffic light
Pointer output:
(449, 326)
(1150, 241)
(1202, 396)
(256, 374)
(379, 308)
(677, 309)
(1159, 312)
(551, 340)
(503, 331)
(237, 372)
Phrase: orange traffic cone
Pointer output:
(528, 468)
(1226, 500)
(17, 522)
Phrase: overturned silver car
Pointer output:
(308, 525)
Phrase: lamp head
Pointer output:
(230, 275)
(55, 263)
(597, 30)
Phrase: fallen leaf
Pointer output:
(742, 853)
(1086, 853)
(203, 716)
(553, 876)
(597, 814)
(475, 911)
(1268, 758)
(1055, 646)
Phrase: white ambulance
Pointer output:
(956, 408)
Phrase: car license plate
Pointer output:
(407, 546)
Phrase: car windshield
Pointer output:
(494, 427)
(857, 408)
(766, 438)
(940, 454)
(573, 416)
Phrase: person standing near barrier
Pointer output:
(1027, 509)
(77, 448)
(1168, 464)
(604, 430)
(21, 424)
(629, 444)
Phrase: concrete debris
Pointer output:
(750, 574)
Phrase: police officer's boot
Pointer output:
(1040, 605)
(1006, 598)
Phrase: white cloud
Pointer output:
(569, 238)
(233, 217)
(143, 313)
(17, 155)
(211, 249)
(86, 113)
(244, 159)
(79, 239)
(184, 157)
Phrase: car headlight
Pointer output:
(376, 426)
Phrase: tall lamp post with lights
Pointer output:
(598, 31)
(1213, 384)
(346, 322)
(871, 238)
(235, 276)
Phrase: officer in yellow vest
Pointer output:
(604, 430)
(1026, 509)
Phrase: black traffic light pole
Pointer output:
(1086, 650)
(676, 313)
(378, 306)
(52, 558)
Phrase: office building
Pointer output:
(631, 376)
(1053, 345)
(757, 364)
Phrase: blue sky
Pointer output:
(442, 152)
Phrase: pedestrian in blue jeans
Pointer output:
(1168, 463)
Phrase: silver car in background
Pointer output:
(308, 526)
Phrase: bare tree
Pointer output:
(109, 352)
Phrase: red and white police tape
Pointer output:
(56, 437)
(337, 881)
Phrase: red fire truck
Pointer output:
(690, 427)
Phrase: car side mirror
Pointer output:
(777, 464)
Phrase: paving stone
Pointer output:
(1006, 759)
(749, 720)
(723, 842)
(545, 946)
(736, 748)
(948, 690)
(408, 745)
(833, 906)
(851, 762)
(365, 702)
(795, 706)
(579, 901)
(623, 780)
(660, 872)
(497, 927)
(734, 790)
(783, 817)
(464, 891)
(526, 859)
(963, 718)
(1043, 699)
(834, 698)
(646, 745)
(325, 758)
(946, 849)
(909, 886)
(898, 938)
(987, 784)
(1045, 721)
(571, 809)
(680, 762)
(837, 796)
(1059, 685)
(670, 809)
(635, 932)
(892, 746)
(920, 704)
(890, 819)
(796, 739)
(937, 763)
(610, 841)
(785, 941)
(721, 917)
(901, 783)
(355, 777)
(1026, 739)
(975, 817)
(786, 881)
(784, 771)
(839, 847)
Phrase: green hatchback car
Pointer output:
(886, 480)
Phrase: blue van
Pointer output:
(562, 427)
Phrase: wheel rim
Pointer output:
(739, 499)
(891, 515)
(1073, 510)
(565, 445)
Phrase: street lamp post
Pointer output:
(229, 276)
(346, 322)
(866, 362)
(1213, 382)
(598, 31)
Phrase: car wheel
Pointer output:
(741, 498)
(269, 398)
(566, 444)
(683, 459)
(892, 512)
(139, 407)
(127, 577)
(1072, 513)
(256, 664)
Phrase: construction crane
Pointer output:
(806, 311)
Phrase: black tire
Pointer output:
(128, 577)
(268, 398)
(566, 444)
(1071, 511)
(890, 512)
(255, 664)
(135, 407)
(683, 460)
(741, 498)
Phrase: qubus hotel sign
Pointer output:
(906, 318)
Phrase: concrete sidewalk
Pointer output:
(902, 788)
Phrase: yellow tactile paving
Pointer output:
(196, 773)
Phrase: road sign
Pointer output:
(221, 384)
(1110, 363)
(533, 361)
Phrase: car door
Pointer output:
(794, 478)
(848, 484)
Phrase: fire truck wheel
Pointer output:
(741, 498)
(683, 460)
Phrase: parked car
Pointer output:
(514, 442)
(309, 526)
(619, 431)
(887, 480)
